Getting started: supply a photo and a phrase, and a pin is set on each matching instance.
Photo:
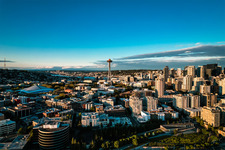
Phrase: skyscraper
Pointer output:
(166, 73)
(151, 103)
(181, 101)
(208, 100)
(195, 101)
(179, 71)
(191, 70)
(160, 87)
(187, 83)
(202, 72)
(135, 105)
(172, 72)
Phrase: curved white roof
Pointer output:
(36, 89)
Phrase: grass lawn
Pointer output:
(189, 140)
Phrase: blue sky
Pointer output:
(83, 33)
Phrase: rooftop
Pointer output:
(6, 122)
(19, 142)
(116, 107)
(52, 126)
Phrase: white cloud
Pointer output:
(221, 42)
(198, 43)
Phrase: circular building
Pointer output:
(53, 135)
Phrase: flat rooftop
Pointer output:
(19, 142)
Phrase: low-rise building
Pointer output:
(94, 119)
(117, 110)
(125, 102)
(21, 99)
(181, 127)
(161, 115)
(20, 111)
(19, 143)
(193, 112)
(222, 132)
(99, 108)
(107, 101)
(2, 116)
(120, 120)
(51, 112)
(7, 126)
(52, 135)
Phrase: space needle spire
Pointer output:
(109, 71)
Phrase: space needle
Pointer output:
(109, 71)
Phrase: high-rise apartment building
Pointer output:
(172, 72)
(160, 87)
(191, 70)
(222, 87)
(181, 101)
(152, 103)
(187, 83)
(135, 105)
(202, 71)
(178, 85)
(205, 89)
(211, 115)
(165, 73)
(197, 82)
(179, 71)
(208, 99)
(194, 101)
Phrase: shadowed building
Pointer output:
(53, 135)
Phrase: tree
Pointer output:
(103, 146)
(167, 122)
(92, 144)
(116, 144)
(107, 144)
(30, 135)
(20, 131)
(135, 142)
(29, 128)
(175, 131)
(72, 141)
(92, 109)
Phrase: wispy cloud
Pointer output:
(90, 67)
(197, 51)
(221, 42)
(198, 43)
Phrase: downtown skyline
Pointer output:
(84, 34)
